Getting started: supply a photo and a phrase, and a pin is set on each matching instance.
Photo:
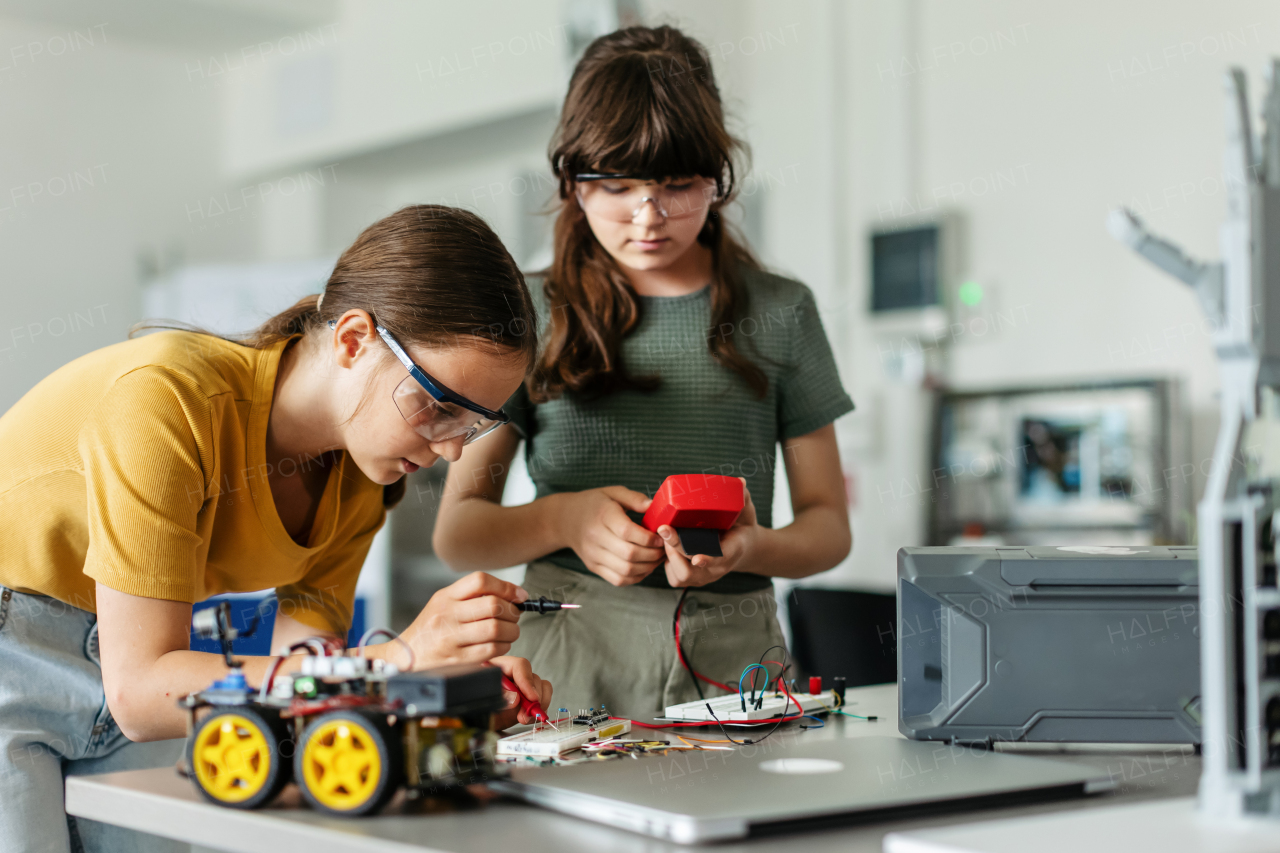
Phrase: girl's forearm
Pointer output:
(151, 707)
(477, 534)
(147, 708)
(817, 540)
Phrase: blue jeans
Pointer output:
(54, 723)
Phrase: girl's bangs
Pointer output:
(654, 133)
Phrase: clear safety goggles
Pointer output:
(435, 412)
(620, 198)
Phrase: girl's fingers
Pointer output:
(521, 672)
(488, 607)
(486, 631)
(618, 558)
(479, 584)
(632, 553)
(605, 569)
(634, 501)
(627, 530)
(679, 570)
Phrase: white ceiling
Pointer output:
(179, 24)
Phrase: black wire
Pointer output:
(786, 662)
(763, 655)
(681, 657)
(744, 742)
(264, 603)
(688, 664)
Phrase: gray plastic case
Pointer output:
(1085, 644)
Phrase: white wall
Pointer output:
(106, 145)
(1074, 109)
(387, 73)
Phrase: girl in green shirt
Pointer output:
(668, 350)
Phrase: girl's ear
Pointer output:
(354, 333)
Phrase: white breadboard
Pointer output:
(548, 742)
(729, 708)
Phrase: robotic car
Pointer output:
(351, 732)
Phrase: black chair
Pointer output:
(840, 632)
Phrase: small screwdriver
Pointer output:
(542, 604)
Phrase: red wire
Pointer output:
(680, 652)
(724, 687)
(709, 723)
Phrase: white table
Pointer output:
(161, 802)
(1170, 826)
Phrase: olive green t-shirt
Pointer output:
(703, 418)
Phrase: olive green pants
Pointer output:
(619, 650)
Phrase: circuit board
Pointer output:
(730, 708)
(563, 735)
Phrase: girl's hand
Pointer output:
(470, 621)
(597, 528)
(533, 687)
(736, 543)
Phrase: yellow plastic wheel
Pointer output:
(349, 763)
(234, 758)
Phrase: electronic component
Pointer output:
(766, 707)
(452, 691)
(334, 666)
(591, 717)
(564, 735)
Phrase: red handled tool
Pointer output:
(699, 507)
(529, 706)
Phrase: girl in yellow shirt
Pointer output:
(155, 473)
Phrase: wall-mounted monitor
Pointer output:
(907, 268)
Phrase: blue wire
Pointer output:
(749, 668)
(821, 723)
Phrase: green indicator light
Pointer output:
(970, 293)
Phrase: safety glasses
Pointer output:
(620, 197)
(435, 412)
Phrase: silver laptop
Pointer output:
(791, 780)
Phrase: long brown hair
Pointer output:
(432, 276)
(641, 101)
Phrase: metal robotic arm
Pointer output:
(1205, 278)
(1240, 510)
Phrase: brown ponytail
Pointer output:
(298, 319)
(432, 276)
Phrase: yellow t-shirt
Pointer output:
(142, 466)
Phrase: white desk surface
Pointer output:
(161, 802)
(1169, 826)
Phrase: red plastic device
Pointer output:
(696, 500)
(693, 502)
